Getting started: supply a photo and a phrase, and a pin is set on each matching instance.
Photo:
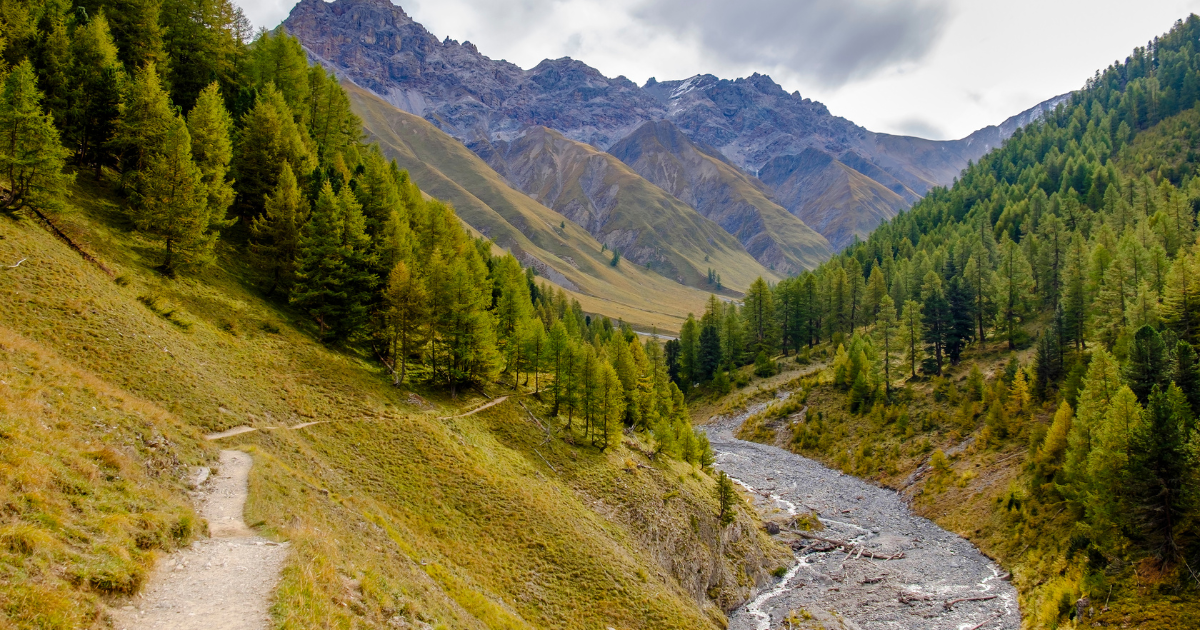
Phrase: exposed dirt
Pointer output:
(221, 583)
(843, 586)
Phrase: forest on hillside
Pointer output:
(1075, 245)
(222, 140)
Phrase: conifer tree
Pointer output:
(535, 340)
(557, 348)
(97, 80)
(759, 312)
(332, 283)
(1147, 366)
(1099, 388)
(1011, 290)
(269, 137)
(887, 339)
(203, 45)
(172, 202)
(145, 120)
(1186, 374)
(31, 154)
(726, 500)
(136, 27)
(407, 318)
(1157, 482)
(210, 127)
(611, 408)
(276, 232)
(912, 333)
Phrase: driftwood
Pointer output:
(983, 623)
(908, 597)
(851, 548)
(948, 604)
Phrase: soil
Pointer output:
(223, 582)
(844, 587)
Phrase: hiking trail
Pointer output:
(224, 582)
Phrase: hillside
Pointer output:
(124, 391)
(1016, 355)
(630, 215)
(559, 249)
(702, 178)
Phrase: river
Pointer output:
(852, 590)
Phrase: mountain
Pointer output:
(620, 208)
(560, 250)
(704, 179)
(747, 122)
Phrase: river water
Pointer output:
(835, 589)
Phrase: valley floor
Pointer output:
(942, 581)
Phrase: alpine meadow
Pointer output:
(339, 325)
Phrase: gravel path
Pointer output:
(850, 590)
(221, 583)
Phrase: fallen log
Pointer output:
(948, 604)
(851, 548)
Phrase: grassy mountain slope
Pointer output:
(703, 179)
(621, 209)
(562, 251)
(831, 197)
(393, 514)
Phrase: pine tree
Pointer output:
(212, 149)
(610, 408)
(136, 28)
(1010, 290)
(31, 154)
(1157, 481)
(912, 333)
(726, 500)
(332, 283)
(269, 137)
(407, 318)
(97, 81)
(535, 340)
(1099, 388)
(557, 349)
(203, 45)
(888, 339)
(276, 232)
(759, 313)
(146, 119)
(172, 202)
(1147, 367)
(1186, 374)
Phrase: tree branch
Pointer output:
(16, 265)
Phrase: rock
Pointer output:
(1081, 607)
(771, 527)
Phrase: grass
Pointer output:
(392, 514)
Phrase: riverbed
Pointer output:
(941, 582)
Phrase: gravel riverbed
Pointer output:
(849, 589)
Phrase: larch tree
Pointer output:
(146, 119)
(888, 334)
(269, 136)
(210, 126)
(912, 333)
(171, 202)
(31, 153)
(407, 318)
(97, 80)
(275, 234)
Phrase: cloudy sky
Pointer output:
(933, 68)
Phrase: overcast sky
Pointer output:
(933, 68)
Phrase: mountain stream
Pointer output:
(855, 578)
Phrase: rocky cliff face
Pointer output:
(749, 123)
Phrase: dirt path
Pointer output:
(477, 409)
(852, 590)
(220, 583)
(238, 430)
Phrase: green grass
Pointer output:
(391, 512)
